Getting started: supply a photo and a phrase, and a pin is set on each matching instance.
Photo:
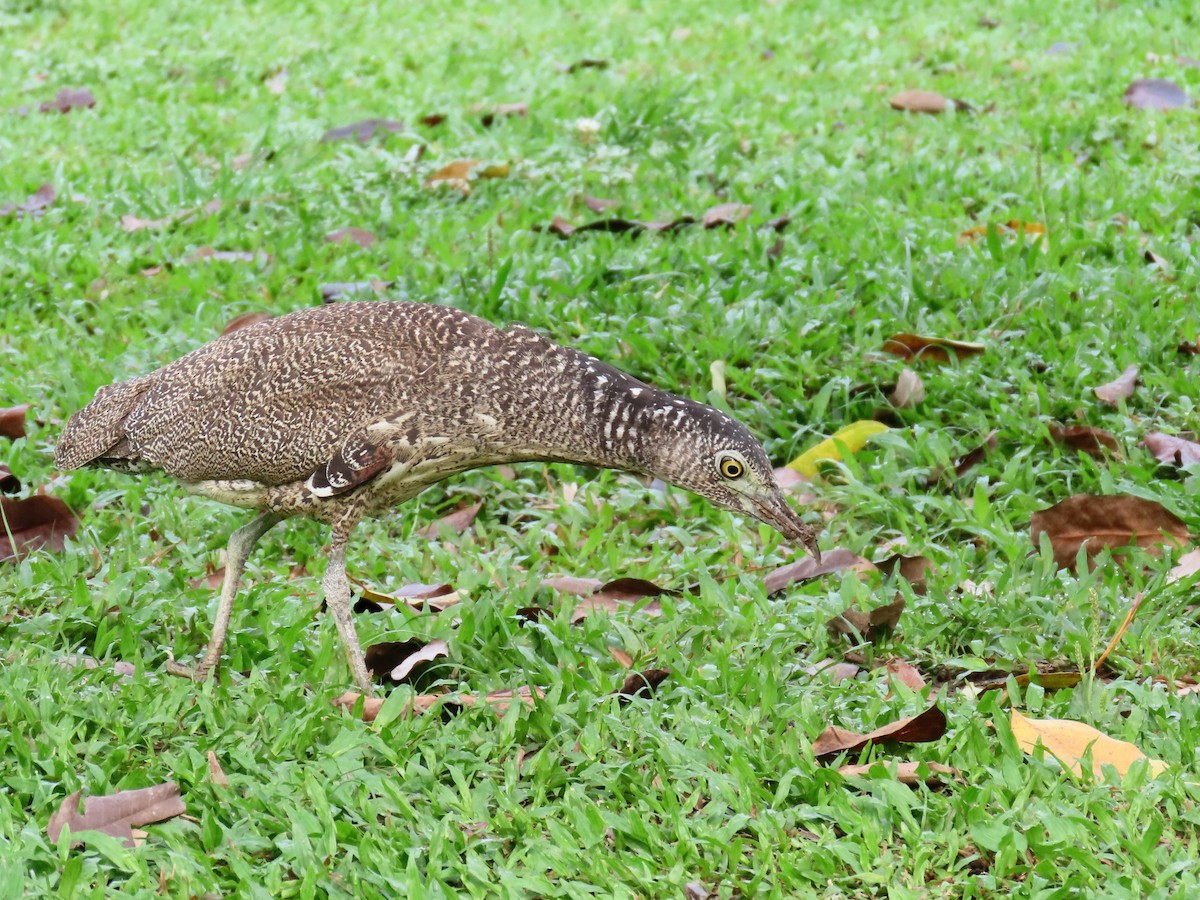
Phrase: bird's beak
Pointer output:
(776, 512)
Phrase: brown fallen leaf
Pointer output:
(34, 523)
(1186, 566)
(599, 205)
(499, 701)
(931, 102)
(76, 661)
(873, 626)
(696, 890)
(503, 111)
(975, 457)
(927, 726)
(1008, 229)
(215, 773)
(909, 390)
(208, 254)
(913, 569)
(1174, 451)
(9, 483)
(1071, 743)
(340, 290)
(808, 568)
(458, 522)
(34, 207)
(1084, 438)
(569, 584)
(779, 223)
(132, 223)
(641, 684)
(585, 63)
(1120, 389)
(623, 659)
(403, 661)
(454, 174)
(726, 215)
(363, 131)
(1097, 521)
(68, 99)
(633, 227)
(245, 320)
(359, 236)
(929, 349)
(1156, 93)
(212, 579)
(12, 421)
(912, 773)
(906, 674)
(116, 814)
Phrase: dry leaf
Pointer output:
(624, 660)
(9, 483)
(975, 457)
(453, 174)
(359, 236)
(1114, 521)
(633, 227)
(927, 726)
(1069, 742)
(68, 99)
(363, 131)
(872, 626)
(583, 64)
(919, 101)
(727, 215)
(131, 223)
(34, 206)
(847, 439)
(499, 701)
(599, 205)
(12, 421)
(906, 674)
(1120, 389)
(215, 773)
(125, 669)
(1086, 439)
(503, 111)
(929, 349)
(1156, 93)
(571, 585)
(909, 391)
(906, 772)
(33, 523)
(913, 569)
(403, 661)
(808, 568)
(641, 684)
(116, 814)
(1185, 567)
(1172, 450)
(245, 320)
(1009, 229)
(458, 522)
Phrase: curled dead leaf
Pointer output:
(919, 101)
(1175, 451)
(873, 626)
(1084, 438)
(12, 421)
(927, 726)
(1119, 389)
(808, 568)
(34, 523)
(116, 814)
(929, 349)
(909, 390)
(726, 215)
(1097, 521)
(359, 236)
(641, 684)
(34, 206)
(9, 483)
(457, 522)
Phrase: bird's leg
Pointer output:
(337, 599)
(240, 544)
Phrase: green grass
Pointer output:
(712, 779)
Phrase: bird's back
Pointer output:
(272, 401)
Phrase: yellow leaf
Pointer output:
(1069, 742)
(849, 439)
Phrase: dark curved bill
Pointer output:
(776, 512)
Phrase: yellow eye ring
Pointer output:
(731, 468)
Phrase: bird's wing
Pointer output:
(362, 456)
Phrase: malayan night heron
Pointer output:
(342, 411)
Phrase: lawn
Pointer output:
(707, 786)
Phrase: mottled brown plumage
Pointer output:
(341, 411)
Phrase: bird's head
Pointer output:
(711, 454)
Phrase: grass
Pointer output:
(781, 106)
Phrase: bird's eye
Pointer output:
(730, 467)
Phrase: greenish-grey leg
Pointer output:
(241, 542)
(337, 600)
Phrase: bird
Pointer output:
(344, 411)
